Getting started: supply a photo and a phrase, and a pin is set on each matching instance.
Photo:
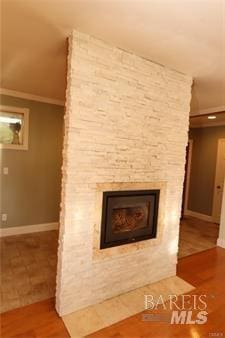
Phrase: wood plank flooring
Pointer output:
(205, 270)
(39, 320)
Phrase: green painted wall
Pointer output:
(30, 193)
(203, 168)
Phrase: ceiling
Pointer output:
(203, 121)
(187, 35)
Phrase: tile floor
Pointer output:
(196, 236)
(28, 268)
(93, 318)
(28, 262)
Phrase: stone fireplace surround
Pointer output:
(126, 126)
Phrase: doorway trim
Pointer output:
(187, 212)
(188, 175)
(221, 238)
(220, 140)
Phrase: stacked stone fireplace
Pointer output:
(126, 126)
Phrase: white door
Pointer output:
(219, 181)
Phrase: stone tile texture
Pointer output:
(126, 121)
(28, 268)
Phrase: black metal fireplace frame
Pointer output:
(107, 194)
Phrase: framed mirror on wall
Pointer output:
(14, 128)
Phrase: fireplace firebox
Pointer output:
(128, 217)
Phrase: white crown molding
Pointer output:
(32, 97)
(208, 111)
(27, 229)
(205, 125)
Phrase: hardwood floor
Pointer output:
(39, 320)
(205, 270)
(196, 236)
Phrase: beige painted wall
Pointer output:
(203, 168)
(31, 191)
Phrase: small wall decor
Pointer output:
(14, 126)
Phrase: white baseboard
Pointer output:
(27, 229)
(203, 217)
(221, 243)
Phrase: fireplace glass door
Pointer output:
(128, 216)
